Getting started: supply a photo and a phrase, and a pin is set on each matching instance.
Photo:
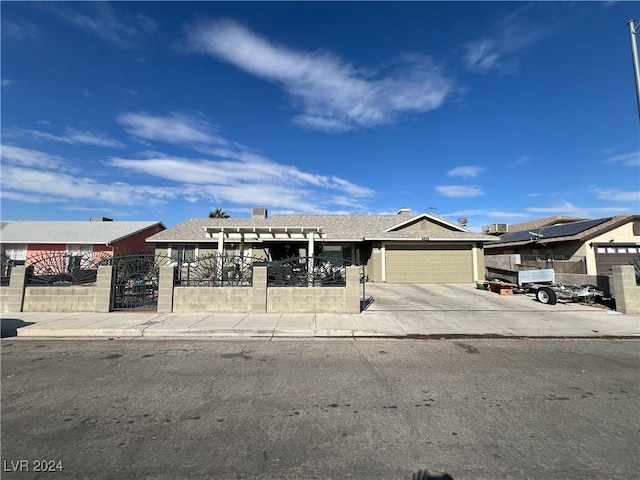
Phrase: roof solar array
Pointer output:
(556, 231)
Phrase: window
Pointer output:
(79, 256)
(183, 253)
(16, 252)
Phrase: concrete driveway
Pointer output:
(455, 298)
(454, 309)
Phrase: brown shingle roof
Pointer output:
(336, 227)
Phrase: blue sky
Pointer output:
(499, 112)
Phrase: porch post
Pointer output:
(310, 253)
(220, 242)
(383, 260)
(474, 260)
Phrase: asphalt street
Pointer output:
(321, 409)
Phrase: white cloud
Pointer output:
(51, 186)
(88, 138)
(482, 55)
(173, 128)
(71, 136)
(459, 190)
(567, 208)
(617, 195)
(497, 51)
(6, 82)
(28, 158)
(469, 171)
(486, 213)
(230, 171)
(631, 159)
(335, 96)
(20, 30)
(100, 19)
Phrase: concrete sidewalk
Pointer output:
(553, 322)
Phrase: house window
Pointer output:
(636, 228)
(79, 256)
(183, 253)
(16, 252)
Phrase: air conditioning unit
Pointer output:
(495, 228)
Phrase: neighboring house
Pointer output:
(599, 243)
(21, 240)
(400, 248)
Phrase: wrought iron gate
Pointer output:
(136, 281)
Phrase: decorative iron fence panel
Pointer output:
(217, 271)
(57, 268)
(136, 279)
(308, 272)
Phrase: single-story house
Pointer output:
(22, 240)
(599, 243)
(401, 248)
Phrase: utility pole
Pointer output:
(634, 53)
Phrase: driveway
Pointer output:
(455, 298)
(461, 309)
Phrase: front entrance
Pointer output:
(136, 281)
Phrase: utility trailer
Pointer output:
(542, 283)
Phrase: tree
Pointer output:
(218, 213)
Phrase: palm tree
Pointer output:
(218, 213)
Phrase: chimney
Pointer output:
(404, 212)
(258, 213)
(100, 219)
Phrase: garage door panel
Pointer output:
(429, 265)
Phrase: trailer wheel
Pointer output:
(547, 296)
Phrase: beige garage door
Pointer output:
(429, 264)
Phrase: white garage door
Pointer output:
(429, 264)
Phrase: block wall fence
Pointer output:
(258, 298)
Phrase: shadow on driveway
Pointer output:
(9, 326)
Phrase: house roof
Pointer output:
(70, 232)
(334, 227)
(573, 231)
(543, 222)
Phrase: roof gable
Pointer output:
(439, 222)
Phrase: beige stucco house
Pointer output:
(599, 243)
(401, 248)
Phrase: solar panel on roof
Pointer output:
(556, 231)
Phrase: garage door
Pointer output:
(429, 264)
(612, 254)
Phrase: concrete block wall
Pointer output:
(59, 299)
(4, 298)
(212, 299)
(15, 290)
(306, 300)
(625, 290)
